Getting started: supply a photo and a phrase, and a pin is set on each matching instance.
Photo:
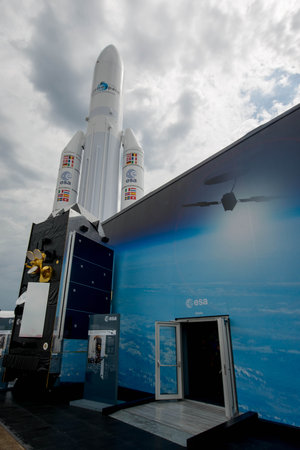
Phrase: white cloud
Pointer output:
(249, 374)
(198, 75)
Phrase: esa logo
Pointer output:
(131, 176)
(110, 318)
(66, 177)
(105, 87)
(102, 86)
(191, 303)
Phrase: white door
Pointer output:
(168, 367)
(168, 354)
(231, 406)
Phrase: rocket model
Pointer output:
(92, 161)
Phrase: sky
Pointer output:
(198, 76)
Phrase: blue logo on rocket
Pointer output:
(102, 86)
(105, 87)
(131, 173)
(66, 177)
(131, 176)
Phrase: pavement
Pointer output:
(52, 423)
(8, 441)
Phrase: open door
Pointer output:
(168, 367)
(198, 350)
(231, 406)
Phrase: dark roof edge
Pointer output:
(210, 158)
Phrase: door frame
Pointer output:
(226, 355)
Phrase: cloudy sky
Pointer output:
(198, 75)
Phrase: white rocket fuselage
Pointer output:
(99, 185)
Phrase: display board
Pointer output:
(34, 312)
(6, 324)
(102, 362)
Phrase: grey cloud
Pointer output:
(277, 32)
(188, 103)
(15, 174)
(156, 130)
(295, 23)
(186, 107)
(153, 32)
(177, 130)
(144, 123)
(143, 119)
(53, 73)
(210, 38)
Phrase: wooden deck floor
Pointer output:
(173, 420)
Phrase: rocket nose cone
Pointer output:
(110, 54)
(130, 140)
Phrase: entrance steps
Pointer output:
(174, 420)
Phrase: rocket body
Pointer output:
(99, 185)
(98, 168)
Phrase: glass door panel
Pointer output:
(168, 374)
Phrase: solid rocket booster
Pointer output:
(68, 174)
(99, 185)
(132, 170)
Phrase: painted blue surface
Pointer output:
(74, 360)
(179, 261)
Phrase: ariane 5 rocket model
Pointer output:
(92, 161)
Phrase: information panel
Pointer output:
(35, 307)
(101, 383)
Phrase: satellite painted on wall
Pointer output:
(228, 200)
(90, 164)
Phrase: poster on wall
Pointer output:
(102, 346)
(35, 308)
(3, 342)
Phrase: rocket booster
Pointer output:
(68, 174)
(100, 166)
(132, 170)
